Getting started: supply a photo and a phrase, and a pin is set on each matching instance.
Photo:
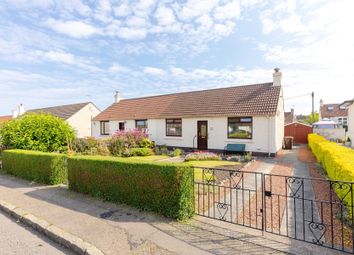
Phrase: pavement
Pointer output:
(120, 229)
(16, 238)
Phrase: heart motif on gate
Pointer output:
(294, 185)
(342, 190)
(222, 209)
(318, 230)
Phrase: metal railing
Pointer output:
(313, 210)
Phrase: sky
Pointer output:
(55, 52)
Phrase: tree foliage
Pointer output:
(40, 132)
(310, 120)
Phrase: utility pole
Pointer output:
(313, 107)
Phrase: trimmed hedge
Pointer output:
(163, 188)
(337, 160)
(41, 167)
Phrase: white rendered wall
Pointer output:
(82, 120)
(265, 139)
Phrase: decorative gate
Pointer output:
(313, 210)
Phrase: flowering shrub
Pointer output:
(122, 141)
(202, 156)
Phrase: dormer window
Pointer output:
(330, 108)
(342, 107)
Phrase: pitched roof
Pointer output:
(61, 111)
(336, 112)
(289, 117)
(5, 118)
(250, 100)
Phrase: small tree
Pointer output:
(41, 132)
(310, 120)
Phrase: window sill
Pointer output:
(173, 138)
(239, 141)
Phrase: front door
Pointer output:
(202, 135)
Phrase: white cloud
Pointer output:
(103, 11)
(164, 16)
(116, 68)
(131, 33)
(77, 29)
(122, 10)
(61, 57)
(135, 21)
(196, 8)
(153, 71)
(228, 11)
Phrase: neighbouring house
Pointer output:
(289, 117)
(79, 116)
(336, 112)
(349, 104)
(329, 129)
(206, 120)
(5, 118)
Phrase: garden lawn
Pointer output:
(149, 158)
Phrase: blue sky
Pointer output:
(67, 51)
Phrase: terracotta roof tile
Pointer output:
(336, 112)
(5, 118)
(254, 100)
(62, 111)
(289, 117)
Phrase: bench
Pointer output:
(234, 147)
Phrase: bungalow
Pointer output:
(79, 116)
(206, 120)
(350, 107)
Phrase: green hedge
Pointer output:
(164, 188)
(338, 162)
(42, 167)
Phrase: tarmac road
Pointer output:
(16, 238)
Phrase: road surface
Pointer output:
(15, 238)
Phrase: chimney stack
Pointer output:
(21, 110)
(14, 114)
(277, 77)
(321, 102)
(117, 97)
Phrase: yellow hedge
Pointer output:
(338, 162)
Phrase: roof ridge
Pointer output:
(202, 90)
(64, 105)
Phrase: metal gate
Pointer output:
(317, 211)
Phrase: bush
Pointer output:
(161, 150)
(177, 153)
(247, 157)
(90, 146)
(41, 167)
(141, 152)
(164, 188)
(146, 143)
(38, 132)
(337, 160)
(122, 141)
(202, 156)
